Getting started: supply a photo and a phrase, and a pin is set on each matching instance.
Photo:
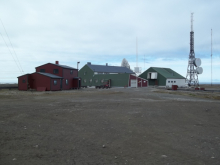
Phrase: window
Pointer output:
(84, 73)
(42, 70)
(174, 81)
(168, 81)
(144, 81)
(55, 71)
(84, 80)
(55, 82)
(71, 71)
(102, 80)
(96, 81)
(66, 82)
(90, 80)
(24, 81)
(171, 81)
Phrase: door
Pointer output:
(134, 83)
(61, 84)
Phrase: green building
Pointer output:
(96, 75)
(163, 77)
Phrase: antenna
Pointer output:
(137, 69)
(211, 57)
(193, 68)
(136, 52)
(191, 22)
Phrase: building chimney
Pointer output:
(88, 63)
(106, 64)
(57, 62)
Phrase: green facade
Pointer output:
(88, 78)
(162, 75)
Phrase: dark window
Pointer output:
(71, 71)
(168, 81)
(42, 70)
(24, 81)
(171, 81)
(66, 81)
(174, 81)
(55, 71)
(55, 82)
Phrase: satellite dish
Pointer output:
(199, 70)
(197, 62)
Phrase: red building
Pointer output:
(137, 81)
(67, 73)
(50, 77)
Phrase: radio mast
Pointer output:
(211, 57)
(193, 68)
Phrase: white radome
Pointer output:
(199, 70)
(197, 62)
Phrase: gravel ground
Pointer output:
(109, 126)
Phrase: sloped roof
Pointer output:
(49, 75)
(23, 75)
(168, 73)
(109, 69)
(63, 66)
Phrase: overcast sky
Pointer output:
(105, 31)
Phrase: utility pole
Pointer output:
(211, 57)
(136, 52)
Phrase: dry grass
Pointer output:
(201, 94)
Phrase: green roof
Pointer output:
(168, 73)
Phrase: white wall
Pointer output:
(179, 82)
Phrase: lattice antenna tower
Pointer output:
(193, 68)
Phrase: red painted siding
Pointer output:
(68, 76)
(57, 86)
(63, 72)
(23, 85)
(76, 83)
(141, 82)
(38, 80)
(49, 69)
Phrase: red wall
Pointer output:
(63, 72)
(49, 69)
(68, 76)
(38, 80)
(141, 82)
(57, 86)
(21, 85)
(76, 83)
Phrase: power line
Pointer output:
(12, 46)
(10, 52)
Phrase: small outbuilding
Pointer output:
(115, 76)
(40, 81)
(163, 77)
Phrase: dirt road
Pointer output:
(108, 126)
